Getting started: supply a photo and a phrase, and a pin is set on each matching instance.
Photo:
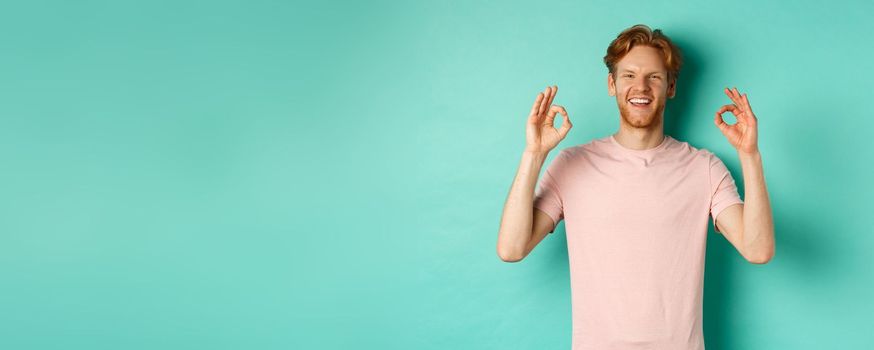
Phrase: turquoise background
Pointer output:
(331, 175)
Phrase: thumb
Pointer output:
(565, 124)
(720, 123)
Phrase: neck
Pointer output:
(639, 138)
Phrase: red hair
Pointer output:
(642, 35)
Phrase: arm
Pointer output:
(522, 227)
(749, 226)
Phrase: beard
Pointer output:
(642, 120)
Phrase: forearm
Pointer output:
(518, 216)
(758, 222)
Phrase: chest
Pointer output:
(636, 200)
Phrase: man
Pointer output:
(636, 204)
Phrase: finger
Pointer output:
(552, 97)
(749, 117)
(743, 107)
(735, 97)
(565, 125)
(731, 108)
(543, 102)
(746, 102)
(550, 116)
(731, 95)
(721, 124)
(547, 100)
(557, 109)
(728, 93)
(536, 104)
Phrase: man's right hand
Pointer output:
(540, 133)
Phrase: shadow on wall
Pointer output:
(676, 112)
(803, 246)
(717, 275)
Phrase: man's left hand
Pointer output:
(743, 134)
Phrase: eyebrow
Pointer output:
(626, 70)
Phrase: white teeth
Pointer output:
(639, 100)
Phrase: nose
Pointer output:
(641, 83)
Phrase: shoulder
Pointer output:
(714, 165)
(594, 147)
(574, 157)
(686, 149)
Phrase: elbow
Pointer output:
(507, 255)
(763, 252)
(761, 259)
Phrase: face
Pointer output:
(641, 74)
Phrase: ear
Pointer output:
(611, 84)
(672, 89)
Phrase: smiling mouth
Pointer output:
(640, 101)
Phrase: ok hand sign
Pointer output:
(743, 134)
(541, 135)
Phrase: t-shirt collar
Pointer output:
(642, 152)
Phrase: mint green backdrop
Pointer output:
(331, 175)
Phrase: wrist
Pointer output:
(755, 155)
(538, 156)
(750, 160)
(535, 152)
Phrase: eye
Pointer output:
(656, 76)
(628, 75)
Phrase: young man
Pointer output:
(636, 205)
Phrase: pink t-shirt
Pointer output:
(636, 223)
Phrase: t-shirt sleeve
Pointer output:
(723, 191)
(547, 195)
